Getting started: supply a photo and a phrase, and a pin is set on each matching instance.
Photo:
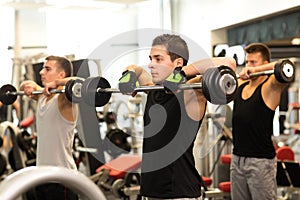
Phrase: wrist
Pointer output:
(191, 70)
(180, 70)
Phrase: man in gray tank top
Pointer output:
(55, 120)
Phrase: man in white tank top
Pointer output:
(55, 120)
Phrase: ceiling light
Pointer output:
(295, 41)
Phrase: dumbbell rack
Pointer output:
(130, 115)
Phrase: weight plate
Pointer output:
(132, 178)
(68, 89)
(122, 115)
(89, 91)
(219, 85)
(11, 159)
(73, 90)
(1, 141)
(205, 83)
(284, 71)
(5, 98)
(116, 142)
(3, 164)
(117, 188)
(22, 141)
(228, 82)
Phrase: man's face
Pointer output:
(50, 72)
(254, 59)
(160, 64)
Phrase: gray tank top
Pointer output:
(55, 135)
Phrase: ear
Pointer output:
(178, 62)
(62, 74)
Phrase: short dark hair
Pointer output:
(64, 64)
(175, 45)
(259, 48)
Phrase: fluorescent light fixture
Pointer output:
(94, 4)
(85, 3)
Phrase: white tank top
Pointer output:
(55, 135)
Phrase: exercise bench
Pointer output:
(121, 176)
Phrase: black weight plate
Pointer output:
(205, 83)
(219, 85)
(3, 164)
(68, 89)
(11, 159)
(132, 178)
(117, 143)
(284, 71)
(1, 141)
(216, 90)
(73, 90)
(6, 98)
(22, 140)
(89, 91)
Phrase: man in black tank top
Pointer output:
(253, 166)
(171, 118)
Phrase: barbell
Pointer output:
(284, 71)
(72, 90)
(219, 86)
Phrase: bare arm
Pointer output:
(28, 87)
(17, 108)
(272, 89)
(143, 76)
(201, 66)
(58, 84)
(66, 107)
(246, 71)
(195, 101)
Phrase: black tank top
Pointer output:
(252, 125)
(168, 167)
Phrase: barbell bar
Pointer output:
(219, 86)
(150, 88)
(72, 90)
(54, 91)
